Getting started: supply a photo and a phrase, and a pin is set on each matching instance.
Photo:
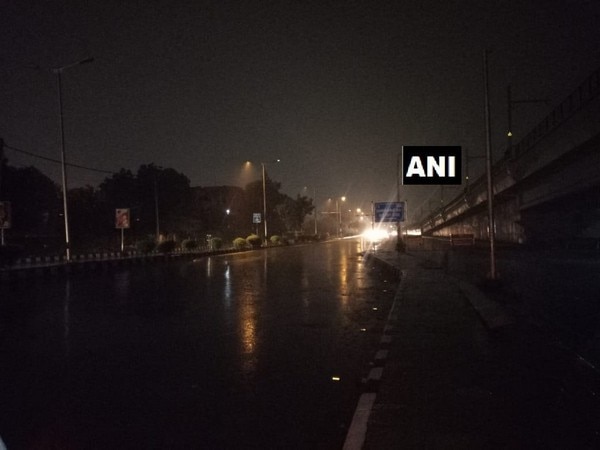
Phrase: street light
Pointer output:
(338, 213)
(264, 187)
(156, 213)
(58, 71)
(339, 210)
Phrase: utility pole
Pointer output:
(399, 242)
(264, 192)
(58, 72)
(488, 157)
(315, 200)
(156, 215)
(1, 166)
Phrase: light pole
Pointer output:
(338, 213)
(488, 158)
(157, 172)
(58, 71)
(264, 189)
(2, 207)
(156, 209)
(315, 201)
(264, 186)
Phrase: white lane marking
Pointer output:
(358, 428)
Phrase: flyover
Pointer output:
(546, 187)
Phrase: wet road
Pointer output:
(233, 351)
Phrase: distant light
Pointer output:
(363, 329)
(509, 134)
(375, 308)
(375, 235)
(335, 378)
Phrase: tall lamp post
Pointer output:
(488, 158)
(264, 186)
(58, 71)
(339, 211)
(264, 189)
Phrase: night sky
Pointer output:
(332, 88)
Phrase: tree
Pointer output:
(36, 204)
(91, 219)
(120, 190)
(255, 201)
(284, 214)
(171, 190)
(292, 212)
(151, 188)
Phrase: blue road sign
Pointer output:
(389, 212)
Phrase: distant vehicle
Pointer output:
(372, 238)
(375, 235)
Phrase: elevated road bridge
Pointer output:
(546, 187)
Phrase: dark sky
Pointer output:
(332, 88)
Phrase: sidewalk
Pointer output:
(456, 371)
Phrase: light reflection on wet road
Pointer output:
(234, 351)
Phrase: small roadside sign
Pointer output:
(256, 218)
(122, 218)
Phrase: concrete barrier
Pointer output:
(462, 239)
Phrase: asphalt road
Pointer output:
(233, 351)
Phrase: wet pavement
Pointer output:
(460, 371)
(261, 349)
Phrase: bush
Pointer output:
(189, 244)
(166, 246)
(9, 254)
(239, 243)
(253, 241)
(145, 246)
(276, 240)
(216, 243)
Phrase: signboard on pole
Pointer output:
(5, 215)
(256, 218)
(122, 218)
(389, 212)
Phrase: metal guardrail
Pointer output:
(33, 261)
(584, 94)
(41, 262)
